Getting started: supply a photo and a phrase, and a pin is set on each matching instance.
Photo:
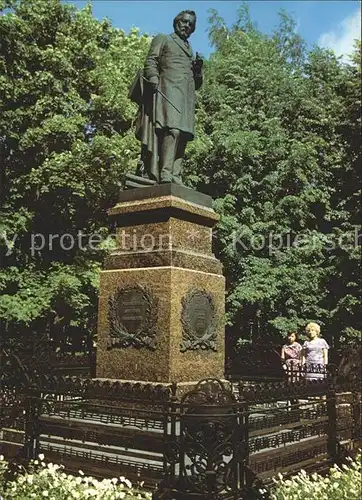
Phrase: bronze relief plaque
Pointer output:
(198, 321)
(132, 316)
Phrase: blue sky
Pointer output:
(332, 24)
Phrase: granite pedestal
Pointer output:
(162, 293)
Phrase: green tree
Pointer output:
(277, 147)
(269, 149)
(344, 283)
(66, 140)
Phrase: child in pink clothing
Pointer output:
(291, 356)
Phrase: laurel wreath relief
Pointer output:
(191, 339)
(144, 336)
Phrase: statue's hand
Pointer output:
(198, 63)
(153, 83)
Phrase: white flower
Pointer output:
(41, 456)
(91, 492)
(80, 472)
(45, 493)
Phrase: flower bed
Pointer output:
(41, 481)
(342, 483)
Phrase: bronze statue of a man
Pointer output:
(165, 92)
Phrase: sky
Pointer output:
(332, 24)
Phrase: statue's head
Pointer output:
(184, 23)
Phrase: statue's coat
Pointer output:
(170, 59)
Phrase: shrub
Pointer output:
(342, 483)
(42, 481)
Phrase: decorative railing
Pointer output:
(261, 360)
(220, 440)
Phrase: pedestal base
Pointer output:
(161, 308)
(168, 359)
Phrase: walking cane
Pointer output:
(164, 96)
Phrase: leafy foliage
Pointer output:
(277, 148)
(66, 140)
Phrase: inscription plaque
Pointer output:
(198, 321)
(132, 316)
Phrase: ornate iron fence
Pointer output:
(39, 353)
(261, 360)
(205, 445)
(219, 440)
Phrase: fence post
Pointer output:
(246, 480)
(170, 436)
(332, 422)
(31, 427)
(165, 489)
